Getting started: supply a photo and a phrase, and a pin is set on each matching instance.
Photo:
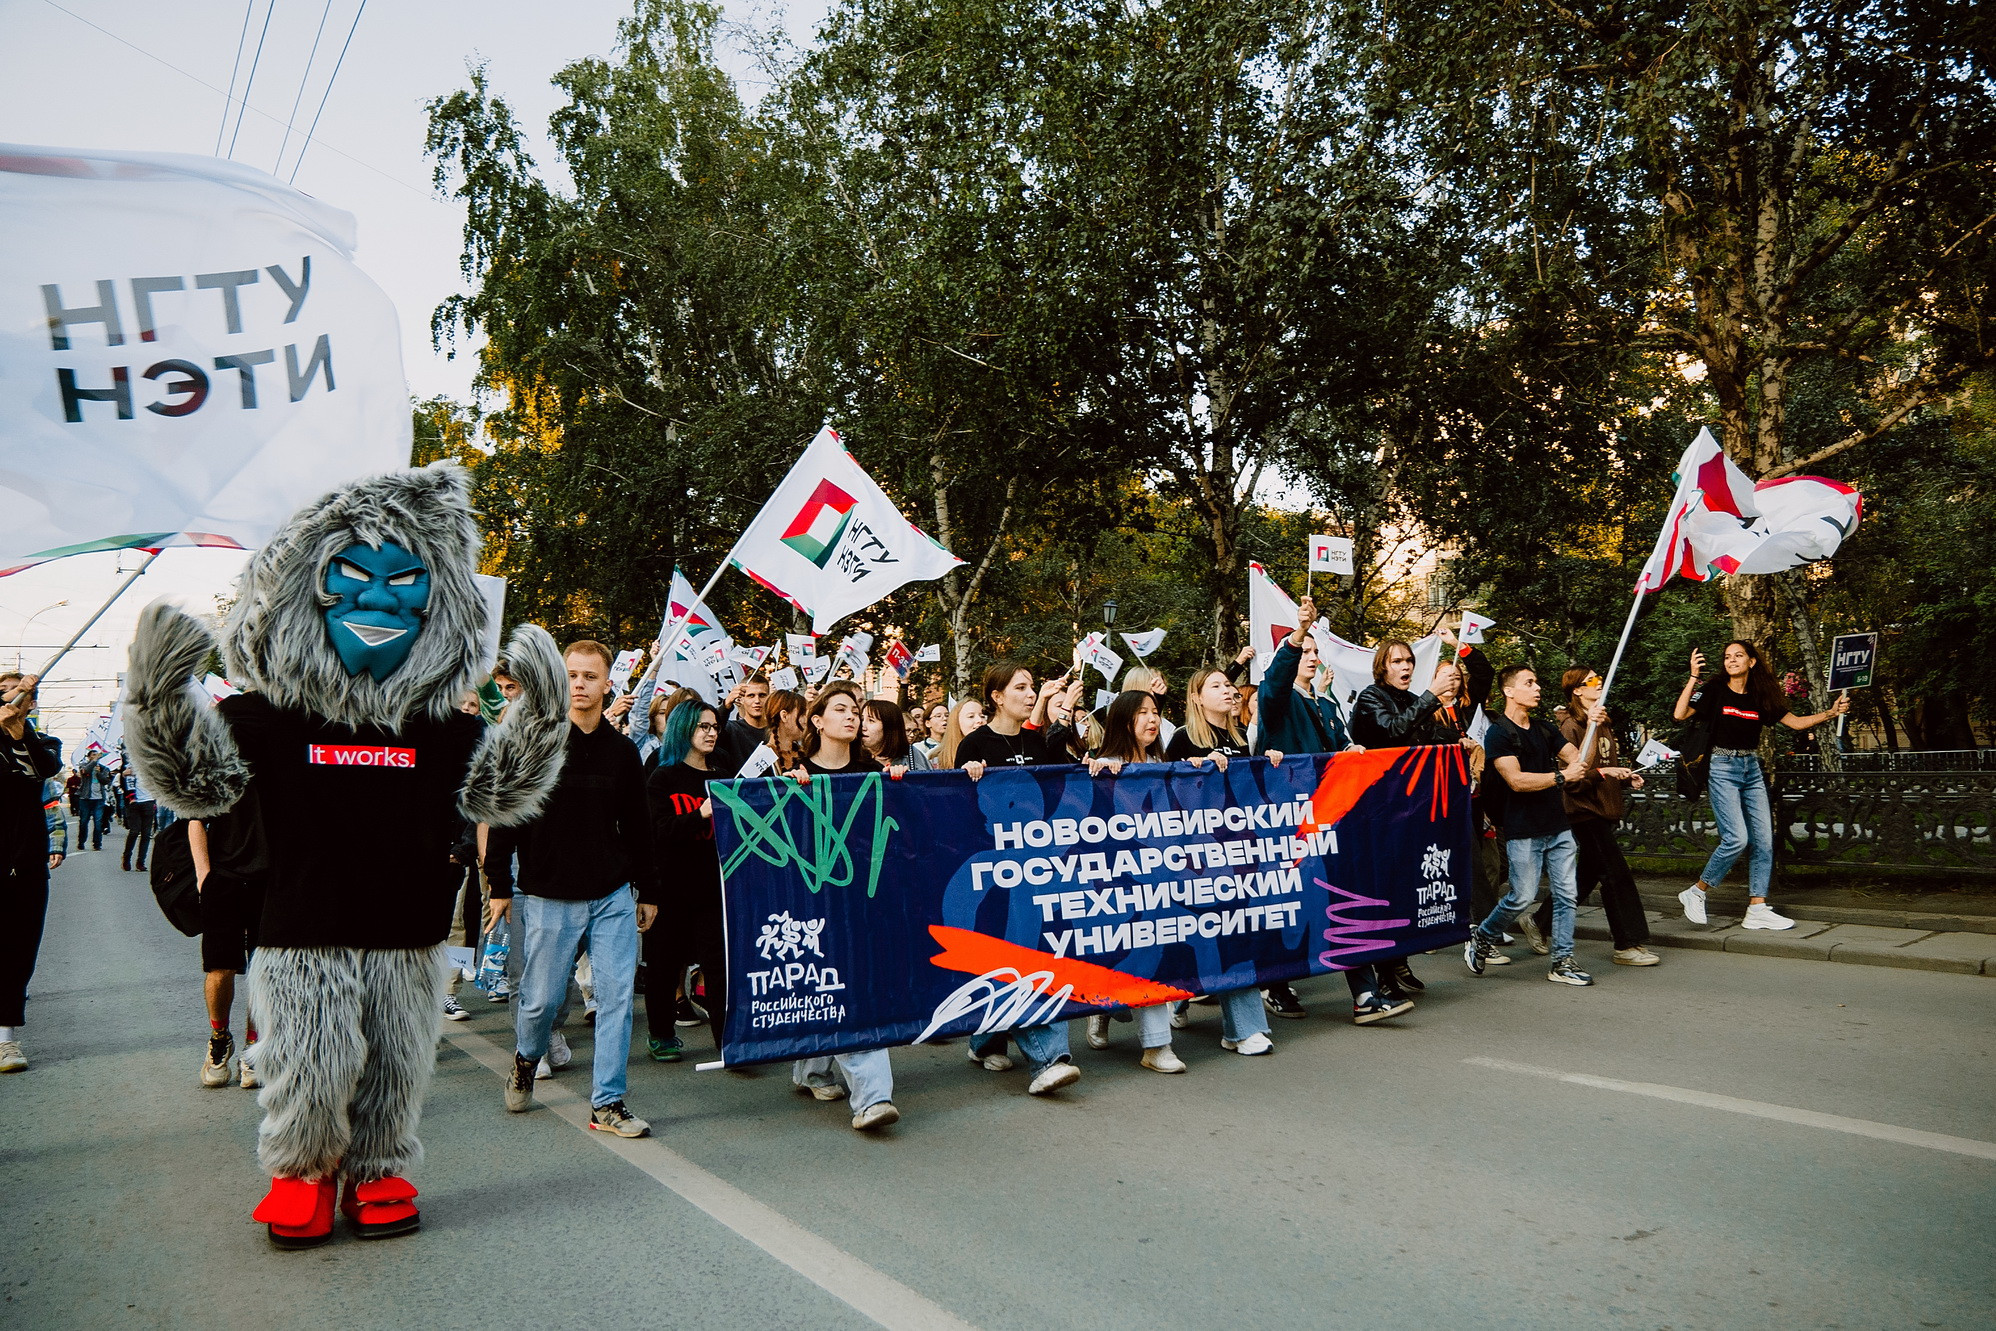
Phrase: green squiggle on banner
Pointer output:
(828, 862)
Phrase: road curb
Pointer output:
(1954, 952)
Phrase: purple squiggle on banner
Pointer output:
(1348, 936)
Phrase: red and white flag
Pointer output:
(898, 658)
(1720, 522)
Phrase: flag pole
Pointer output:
(91, 622)
(1628, 626)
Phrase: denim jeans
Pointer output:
(548, 931)
(1040, 1044)
(869, 1076)
(1241, 1014)
(1154, 1025)
(1557, 853)
(90, 825)
(1739, 806)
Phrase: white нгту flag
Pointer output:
(930, 655)
(852, 652)
(1330, 554)
(621, 668)
(1144, 644)
(1472, 630)
(802, 647)
(829, 542)
(187, 354)
(1095, 651)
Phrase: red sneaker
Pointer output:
(381, 1209)
(298, 1211)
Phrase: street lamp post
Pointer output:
(20, 643)
(1109, 613)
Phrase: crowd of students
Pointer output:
(620, 867)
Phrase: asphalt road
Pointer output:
(1371, 1178)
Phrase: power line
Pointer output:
(196, 78)
(303, 79)
(293, 177)
(229, 100)
(250, 83)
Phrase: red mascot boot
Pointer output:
(381, 1209)
(299, 1211)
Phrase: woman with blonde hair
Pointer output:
(965, 718)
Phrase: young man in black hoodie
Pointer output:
(587, 874)
(28, 851)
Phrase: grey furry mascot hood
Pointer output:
(274, 640)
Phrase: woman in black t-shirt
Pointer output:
(1738, 704)
(1212, 725)
(832, 748)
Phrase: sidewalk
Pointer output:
(1959, 938)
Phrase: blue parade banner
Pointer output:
(864, 912)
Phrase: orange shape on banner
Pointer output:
(1095, 986)
(1346, 778)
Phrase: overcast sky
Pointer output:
(153, 77)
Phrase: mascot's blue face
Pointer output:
(380, 611)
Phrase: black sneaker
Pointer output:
(1476, 953)
(1402, 975)
(1565, 972)
(520, 1086)
(1368, 1008)
(1282, 1001)
(689, 1013)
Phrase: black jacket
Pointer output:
(25, 763)
(1388, 718)
(593, 837)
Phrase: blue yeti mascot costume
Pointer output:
(356, 632)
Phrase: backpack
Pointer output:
(1694, 754)
(172, 876)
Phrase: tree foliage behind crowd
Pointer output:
(1115, 297)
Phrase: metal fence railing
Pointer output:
(1897, 760)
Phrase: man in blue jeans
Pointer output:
(1535, 762)
(587, 874)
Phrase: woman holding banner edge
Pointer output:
(832, 747)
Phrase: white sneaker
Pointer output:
(1694, 904)
(1161, 1059)
(1762, 916)
(1257, 1043)
(1098, 1031)
(250, 1081)
(541, 1069)
(559, 1054)
(992, 1062)
(11, 1057)
(876, 1116)
(1181, 1015)
(1054, 1076)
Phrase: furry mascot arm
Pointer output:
(517, 763)
(180, 744)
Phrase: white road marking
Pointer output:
(870, 1292)
(1860, 1127)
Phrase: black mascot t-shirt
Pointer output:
(358, 822)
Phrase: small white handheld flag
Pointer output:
(785, 678)
(1330, 554)
(803, 647)
(829, 542)
(930, 655)
(1655, 754)
(1471, 633)
(1144, 644)
(1097, 653)
(621, 668)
